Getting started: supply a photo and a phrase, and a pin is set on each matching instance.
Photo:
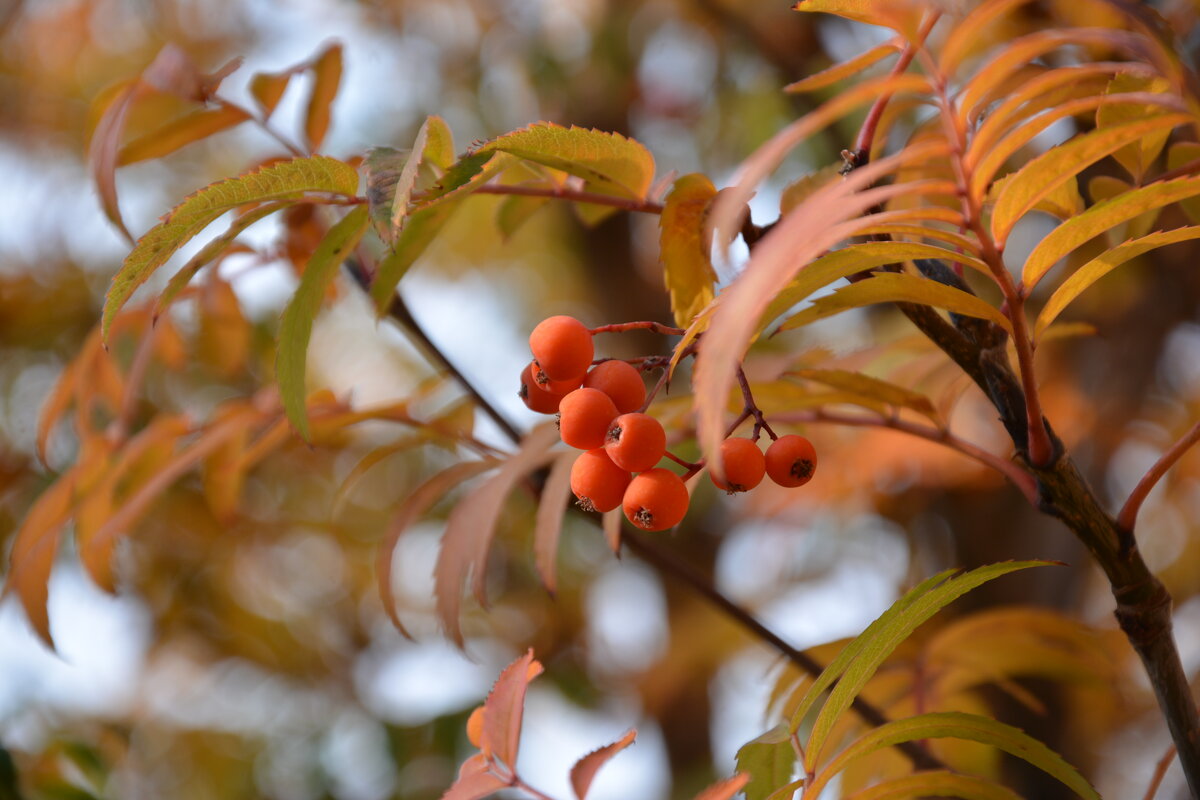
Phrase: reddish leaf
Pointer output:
(327, 72)
(611, 522)
(475, 781)
(412, 509)
(504, 707)
(724, 790)
(102, 152)
(585, 769)
(551, 507)
(472, 525)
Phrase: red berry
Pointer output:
(620, 381)
(597, 482)
(536, 398)
(562, 347)
(791, 460)
(656, 500)
(583, 418)
(544, 383)
(635, 442)
(744, 465)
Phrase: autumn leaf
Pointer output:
(552, 505)
(724, 790)
(181, 132)
(585, 769)
(327, 76)
(684, 245)
(845, 69)
(769, 760)
(504, 708)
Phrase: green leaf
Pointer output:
(1103, 264)
(685, 244)
(936, 783)
(514, 211)
(888, 393)
(608, 162)
(286, 180)
(853, 259)
(1135, 157)
(1100, 218)
(382, 166)
(769, 760)
(296, 326)
(897, 288)
(844, 69)
(420, 230)
(881, 640)
(1051, 169)
(956, 725)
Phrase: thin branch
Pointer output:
(649, 325)
(1129, 511)
(1160, 771)
(751, 408)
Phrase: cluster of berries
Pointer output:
(601, 411)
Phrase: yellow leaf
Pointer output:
(900, 15)
(268, 89)
(1103, 264)
(936, 783)
(1063, 202)
(963, 38)
(898, 288)
(1135, 157)
(1180, 155)
(887, 393)
(1100, 218)
(1106, 187)
(34, 549)
(684, 246)
(1050, 170)
(844, 69)
(327, 75)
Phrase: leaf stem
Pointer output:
(261, 122)
(1133, 504)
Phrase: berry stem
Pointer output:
(692, 467)
(751, 409)
(662, 381)
(647, 325)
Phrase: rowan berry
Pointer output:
(597, 482)
(656, 500)
(635, 442)
(620, 381)
(554, 387)
(475, 727)
(791, 460)
(562, 347)
(536, 398)
(744, 465)
(583, 418)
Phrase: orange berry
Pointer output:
(791, 460)
(583, 418)
(475, 727)
(635, 442)
(655, 500)
(544, 383)
(562, 347)
(744, 465)
(536, 398)
(597, 482)
(620, 381)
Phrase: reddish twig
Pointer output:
(1129, 511)
(624, 327)
(1160, 771)
(751, 409)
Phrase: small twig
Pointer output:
(262, 123)
(1160, 771)
(525, 787)
(662, 381)
(1129, 511)
(624, 327)
(688, 465)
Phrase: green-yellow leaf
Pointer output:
(1135, 157)
(1103, 264)
(286, 180)
(881, 640)
(1106, 187)
(684, 246)
(853, 259)
(406, 181)
(296, 326)
(181, 132)
(936, 783)
(887, 393)
(514, 211)
(799, 190)
(768, 760)
(844, 69)
(1101, 217)
(420, 230)
(894, 288)
(1180, 155)
(1050, 170)
(956, 725)
(327, 76)
(608, 162)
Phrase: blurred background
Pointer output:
(251, 658)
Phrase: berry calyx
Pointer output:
(562, 347)
(656, 500)
(744, 465)
(554, 387)
(583, 418)
(791, 460)
(620, 381)
(536, 398)
(475, 727)
(598, 483)
(635, 442)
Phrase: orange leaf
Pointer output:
(103, 148)
(844, 69)
(413, 507)
(327, 71)
(504, 707)
(724, 790)
(60, 400)
(268, 89)
(611, 522)
(472, 525)
(585, 769)
(475, 781)
(962, 40)
(181, 132)
(551, 507)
